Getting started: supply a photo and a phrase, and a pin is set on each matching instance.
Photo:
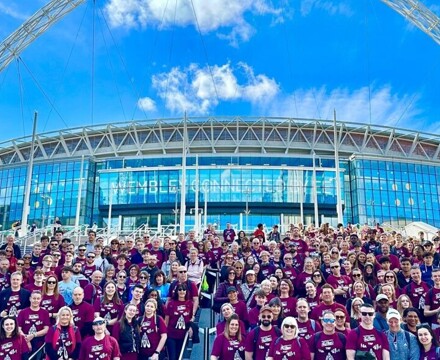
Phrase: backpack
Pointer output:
(257, 333)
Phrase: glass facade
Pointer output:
(148, 190)
(394, 192)
(54, 192)
(222, 185)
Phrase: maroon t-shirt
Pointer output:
(109, 311)
(82, 313)
(290, 349)
(308, 329)
(260, 349)
(432, 298)
(150, 334)
(31, 287)
(13, 349)
(367, 340)
(180, 313)
(92, 293)
(228, 349)
(105, 349)
(31, 321)
(289, 306)
(52, 304)
(14, 304)
(327, 345)
(88, 270)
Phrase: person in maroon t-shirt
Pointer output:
(53, 301)
(34, 321)
(367, 338)
(328, 343)
(109, 306)
(306, 327)
(229, 345)
(37, 283)
(258, 340)
(93, 291)
(432, 299)
(417, 288)
(289, 345)
(328, 303)
(83, 313)
(100, 346)
(89, 267)
(153, 332)
(13, 345)
(179, 313)
(341, 283)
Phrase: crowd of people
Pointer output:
(309, 293)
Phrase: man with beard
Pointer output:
(258, 341)
(4, 274)
(382, 307)
(83, 313)
(77, 275)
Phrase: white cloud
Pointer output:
(331, 7)
(387, 107)
(197, 90)
(12, 12)
(147, 104)
(212, 15)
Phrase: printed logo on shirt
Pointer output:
(369, 338)
(97, 348)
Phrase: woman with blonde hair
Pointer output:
(230, 342)
(355, 312)
(289, 344)
(63, 341)
(153, 332)
(403, 302)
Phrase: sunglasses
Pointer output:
(51, 282)
(90, 257)
(389, 277)
(357, 275)
(287, 258)
(268, 317)
(143, 277)
(56, 255)
(8, 251)
(316, 275)
(100, 322)
(340, 317)
(183, 272)
(334, 267)
(20, 263)
(81, 249)
(181, 289)
(122, 277)
(288, 326)
(328, 321)
(367, 313)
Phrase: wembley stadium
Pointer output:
(239, 170)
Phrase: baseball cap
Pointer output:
(381, 297)
(266, 308)
(230, 289)
(99, 321)
(250, 272)
(393, 314)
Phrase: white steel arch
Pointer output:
(419, 15)
(36, 25)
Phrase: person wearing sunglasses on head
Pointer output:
(366, 339)
(192, 292)
(100, 345)
(179, 314)
(328, 343)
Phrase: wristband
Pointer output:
(157, 352)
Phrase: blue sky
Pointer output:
(153, 59)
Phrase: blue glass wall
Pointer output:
(386, 191)
(226, 185)
(54, 192)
